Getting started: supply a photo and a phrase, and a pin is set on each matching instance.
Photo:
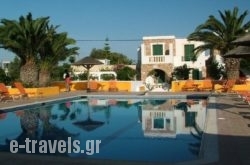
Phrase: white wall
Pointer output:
(201, 59)
(175, 57)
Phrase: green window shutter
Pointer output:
(189, 52)
(196, 74)
(158, 49)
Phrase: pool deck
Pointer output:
(233, 130)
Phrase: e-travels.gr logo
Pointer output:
(53, 146)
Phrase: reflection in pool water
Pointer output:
(133, 129)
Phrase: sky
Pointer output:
(123, 22)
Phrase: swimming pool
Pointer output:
(152, 130)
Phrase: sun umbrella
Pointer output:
(87, 62)
(244, 40)
(238, 52)
(88, 124)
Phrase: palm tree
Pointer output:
(55, 49)
(38, 46)
(24, 38)
(219, 34)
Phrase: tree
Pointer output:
(38, 46)
(14, 69)
(24, 38)
(219, 34)
(3, 77)
(215, 70)
(57, 74)
(72, 59)
(181, 72)
(125, 73)
(114, 57)
(106, 48)
(56, 49)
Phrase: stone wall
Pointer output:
(166, 43)
(146, 68)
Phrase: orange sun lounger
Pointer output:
(5, 95)
(22, 90)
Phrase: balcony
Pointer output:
(157, 59)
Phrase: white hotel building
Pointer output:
(161, 54)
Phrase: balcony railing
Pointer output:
(156, 59)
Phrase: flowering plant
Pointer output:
(149, 83)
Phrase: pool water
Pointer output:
(129, 129)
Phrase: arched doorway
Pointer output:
(160, 76)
